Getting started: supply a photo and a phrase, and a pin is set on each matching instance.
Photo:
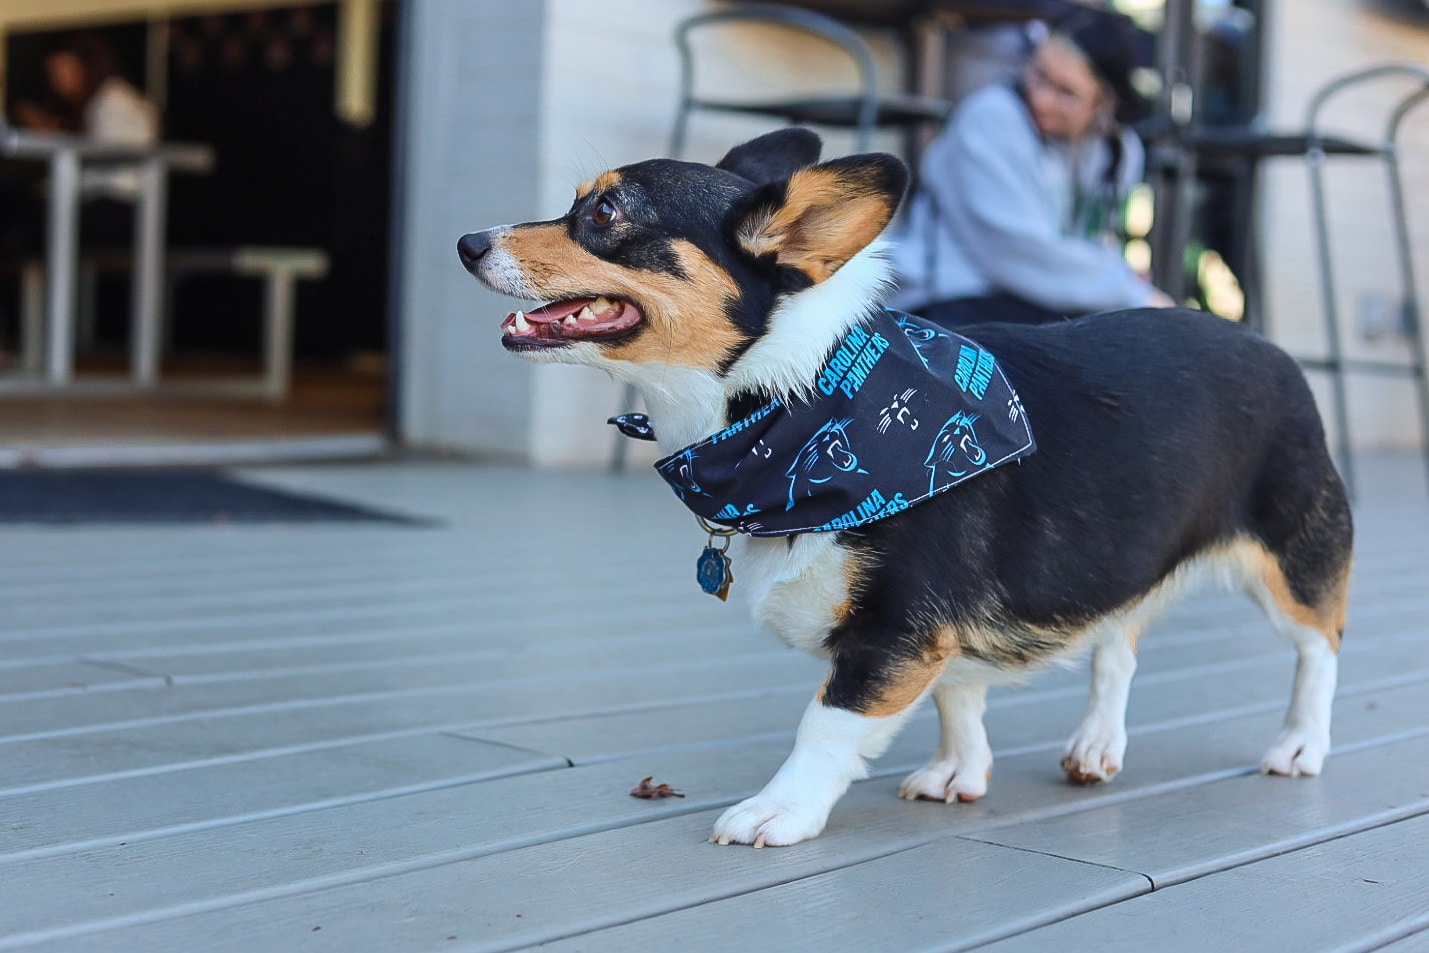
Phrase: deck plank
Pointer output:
(129, 807)
(548, 891)
(233, 735)
(1417, 942)
(1356, 892)
(1172, 839)
(381, 840)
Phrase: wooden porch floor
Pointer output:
(411, 738)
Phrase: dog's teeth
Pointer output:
(521, 324)
(586, 314)
(601, 304)
(569, 321)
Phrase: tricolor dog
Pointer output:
(932, 512)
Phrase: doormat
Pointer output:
(164, 496)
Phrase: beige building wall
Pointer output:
(612, 96)
(1311, 42)
(608, 95)
(606, 89)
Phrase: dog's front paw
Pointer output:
(1296, 752)
(949, 780)
(764, 822)
(1095, 753)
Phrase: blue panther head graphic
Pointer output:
(921, 335)
(955, 453)
(827, 454)
(686, 482)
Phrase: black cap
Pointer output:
(1109, 41)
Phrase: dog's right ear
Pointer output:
(774, 156)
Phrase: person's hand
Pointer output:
(1160, 299)
(32, 116)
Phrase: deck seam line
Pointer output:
(552, 763)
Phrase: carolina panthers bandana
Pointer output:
(902, 410)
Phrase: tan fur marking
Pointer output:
(825, 220)
(905, 686)
(686, 321)
(1328, 617)
(602, 182)
(854, 567)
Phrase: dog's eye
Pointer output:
(604, 213)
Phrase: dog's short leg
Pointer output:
(961, 769)
(829, 752)
(1304, 740)
(1315, 626)
(874, 684)
(1097, 747)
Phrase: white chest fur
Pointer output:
(793, 590)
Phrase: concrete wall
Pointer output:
(511, 107)
(1311, 42)
(514, 104)
(470, 142)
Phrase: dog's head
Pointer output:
(676, 264)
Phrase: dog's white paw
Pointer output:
(765, 822)
(1095, 752)
(953, 779)
(1296, 752)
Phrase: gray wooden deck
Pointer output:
(403, 738)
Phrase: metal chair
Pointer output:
(1318, 149)
(864, 110)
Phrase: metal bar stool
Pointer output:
(863, 111)
(1317, 152)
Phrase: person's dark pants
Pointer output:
(1002, 308)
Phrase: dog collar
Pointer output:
(901, 411)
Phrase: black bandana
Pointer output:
(902, 410)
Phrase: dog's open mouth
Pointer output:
(562, 323)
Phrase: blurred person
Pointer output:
(87, 95)
(1016, 214)
(93, 99)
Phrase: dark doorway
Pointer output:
(259, 87)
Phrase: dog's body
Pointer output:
(1166, 441)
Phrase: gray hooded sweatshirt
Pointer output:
(999, 209)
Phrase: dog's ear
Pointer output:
(823, 215)
(774, 156)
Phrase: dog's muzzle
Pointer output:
(471, 248)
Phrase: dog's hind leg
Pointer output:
(1315, 628)
(1304, 741)
(962, 767)
(1300, 577)
(1095, 751)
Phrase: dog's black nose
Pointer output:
(471, 248)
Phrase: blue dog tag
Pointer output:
(713, 572)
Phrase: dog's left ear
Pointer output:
(823, 215)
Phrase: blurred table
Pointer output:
(67, 155)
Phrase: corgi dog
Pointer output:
(739, 298)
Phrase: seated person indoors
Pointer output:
(89, 96)
(1020, 194)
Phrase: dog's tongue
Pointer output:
(556, 310)
(573, 318)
